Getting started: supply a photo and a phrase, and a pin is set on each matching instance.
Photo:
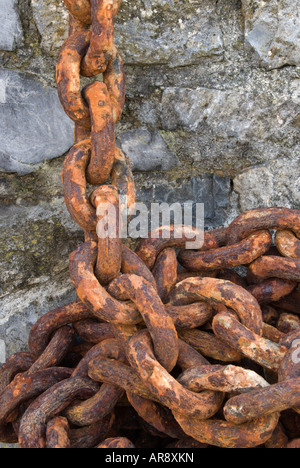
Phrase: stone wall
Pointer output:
(212, 115)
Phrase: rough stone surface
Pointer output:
(23, 309)
(272, 31)
(10, 31)
(37, 235)
(274, 184)
(147, 150)
(208, 189)
(51, 19)
(179, 41)
(234, 128)
(211, 116)
(33, 125)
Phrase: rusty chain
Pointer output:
(164, 347)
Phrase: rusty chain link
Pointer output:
(164, 347)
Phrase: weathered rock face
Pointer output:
(51, 20)
(273, 184)
(147, 150)
(11, 31)
(211, 116)
(232, 128)
(33, 125)
(178, 41)
(272, 31)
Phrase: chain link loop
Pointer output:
(175, 336)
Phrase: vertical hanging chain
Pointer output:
(139, 314)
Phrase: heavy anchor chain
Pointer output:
(164, 347)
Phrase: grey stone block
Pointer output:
(272, 31)
(11, 30)
(51, 18)
(228, 130)
(33, 125)
(184, 36)
(273, 184)
(212, 191)
(147, 150)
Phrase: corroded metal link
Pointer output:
(270, 266)
(175, 236)
(272, 333)
(169, 392)
(262, 218)
(188, 357)
(92, 331)
(158, 322)
(104, 370)
(76, 26)
(69, 83)
(109, 348)
(56, 350)
(271, 290)
(165, 272)
(244, 340)
(228, 435)
(132, 264)
(81, 133)
(68, 78)
(262, 402)
(41, 331)
(58, 433)
(116, 443)
(221, 378)
(278, 438)
(221, 291)
(287, 243)
(102, 133)
(270, 314)
(19, 362)
(191, 315)
(55, 399)
(103, 306)
(289, 367)
(294, 444)
(156, 415)
(80, 9)
(122, 178)
(99, 52)
(290, 302)
(106, 201)
(183, 274)
(138, 313)
(233, 276)
(92, 294)
(103, 402)
(210, 345)
(113, 372)
(114, 79)
(241, 253)
(288, 322)
(90, 436)
(74, 186)
(26, 387)
(290, 339)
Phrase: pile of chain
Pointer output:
(165, 347)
